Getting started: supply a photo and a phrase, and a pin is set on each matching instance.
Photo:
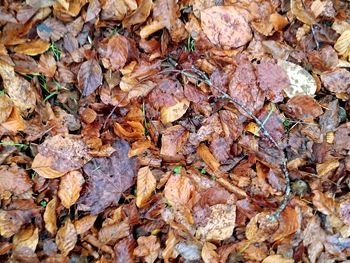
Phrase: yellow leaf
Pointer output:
(70, 187)
(172, 113)
(6, 106)
(146, 184)
(50, 216)
(28, 237)
(169, 250)
(301, 14)
(326, 167)
(209, 254)
(204, 152)
(41, 165)
(33, 48)
(66, 237)
(253, 128)
(84, 224)
(343, 43)
(15, 122)
(277, 259)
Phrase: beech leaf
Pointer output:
(66, 238)
(146, 184)
(70, 188)
(89, 76)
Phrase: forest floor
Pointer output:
(174, 131)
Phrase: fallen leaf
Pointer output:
(107, 179)
(277, 259)
(303, 107)
(139, 147)
(220, 223)
(33, 48)
(18, 89)
(15, 122)
(343, 43)
(28, 237)
(112, 233)
(70, 187)
(169, 250)
(117, 51)
(344, 211)
(14, 179)
(59, 155)
(124, 250)
(172, 113)
(204, 152)
(89, 76)
(326, 167)
(146, 184)
(260, 228)
(139, 15)
(51, 29)
(84, 224)
(337, 80)
(301, 82)
(147, 247)
(47, 65)
(173, 139)
(66, 237)
(209, 254)
(93, 10)
(6, 106)
(298, 9)
(288, 224)
(323, 203)
(226, 26)
(50, 216)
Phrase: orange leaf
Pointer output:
(204, 152)
(172, 113)
(277, 259)
(6, 106)
(146, 184)
(70, 188)
(50, 216)
(41, 165)
(32, 48)
(66, 237)
(84, 224)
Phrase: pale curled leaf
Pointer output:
(209, 254)
(343, 43)
(301, 82)
(70, 187)
(172, 113)
(28, 237)
(146, 184)
(225, 26)
(89, 76)
(277, 259)
(50, 216)
(66, 237)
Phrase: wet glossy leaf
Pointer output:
(70, 187)
(89, 76)
(66, 237)
(225, 26)
(146, 184)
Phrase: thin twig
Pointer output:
(283, 162)
(109, 116)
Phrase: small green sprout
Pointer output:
(56, 51)
(116, 30)
(177, 169)
(203, 171)
(19, 146)
(191, 45)
(43, 203)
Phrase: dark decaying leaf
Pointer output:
(89, 76)
(93, 10)
(51, 29)
(14, 180)
(337, 80)
(303, 107)
(108, 178)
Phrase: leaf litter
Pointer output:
(149, 131)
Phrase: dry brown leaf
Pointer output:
(66, 237)
(47, 65)
(112, 233)
(89, 76)
(172, 113)
(139, 147)
(70, 187)
(146, 184)
(226, 26)
(12, 220)
(148, 247)
(178, 190)
(261, 228)
(14, 180)
(337, 80)
(169, 251)
(41, 165)
(84, 224)
(326, 167)
(15, 122)
(6, 106)
(50, 216)
(51, 29)
(209, 254)
(297, 8)
(323, 203)
(140, 15)
(93, 10)
(173, 139)
(288, 224)
(277, 259)
(303, 107)
(28, 237)
(18, 89)
(33, 48)
(220, 224)
(343, 43)
(117, 52)
(204, 152)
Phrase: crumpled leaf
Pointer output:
(14, 180)
(6, 106)
(70, 187)
(337, 80)
(343, 43)
(89, 76)
(169, 250)
(344, 211)
(146, 184)
(117, 52)
(297, 8)
(140, 15)
(47, 65)
(220, 224)
(172, 113)
(50, 218)
(260, 228)
(66, 237)
(326, 167)
(148, 247)
(113, 232)
(314, 238)
(204, 152)
(19, 90)
(33, 48)
(107, 179)
(93, 10)
(209, 254)
(225, 26)
(178, 190)
(301, 82)
(124, 250)
(59, 155)
(342, 138)
(84, 224)
(288, 224)
(277, 259)
(28, 237)
(303, 107)
(173, 139)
